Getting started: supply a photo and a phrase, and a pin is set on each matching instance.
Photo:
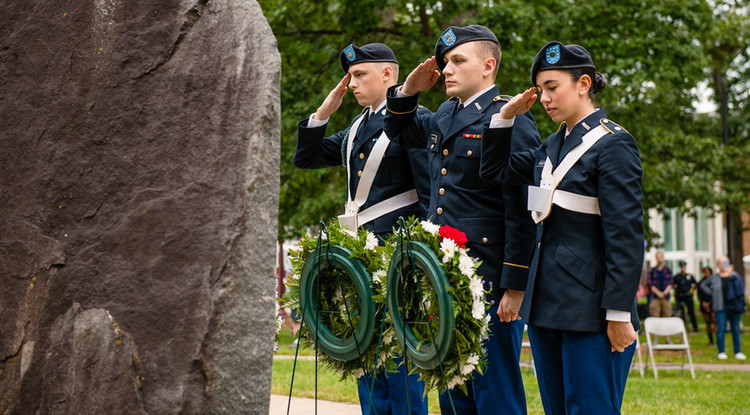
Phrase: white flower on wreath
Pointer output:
(466, 264)
(466, 369)
(349, 232)
(449, 247)
(477, 309)
(430, 227)
(456, 381)
(358, 373)
(379, 276)
(486, 327)
(476, 287)
(387, 338)
(371, 241)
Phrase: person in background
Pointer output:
(705, 299)
(660, 282)
(685, 285)
(727, 292)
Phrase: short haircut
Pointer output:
(489, 49)
(394, 67)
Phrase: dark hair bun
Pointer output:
(598, 83)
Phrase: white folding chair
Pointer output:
(640, 359)
(667, 326)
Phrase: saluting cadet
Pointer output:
(381, 186)
(479, 206)
(586, 200)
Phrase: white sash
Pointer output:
(543, 196)
(352, 217)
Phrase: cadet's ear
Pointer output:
(489, 65)
(387, 72)
(584, 84)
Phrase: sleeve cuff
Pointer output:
(617, 315)
(400, 94)
(498, 122)
(312, 122)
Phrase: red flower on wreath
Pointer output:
(452, 233)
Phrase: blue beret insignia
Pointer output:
(449, 38)
(552, 54)
(350, 54)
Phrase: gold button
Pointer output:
(443, 171)
(485, 240)
(361, 156)
(441, 191)
(445, 151)
(469, 153)
(439, 211)
(359, 173)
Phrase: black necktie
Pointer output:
(458, 108)
(366, 117)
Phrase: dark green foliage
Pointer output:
(654, 55)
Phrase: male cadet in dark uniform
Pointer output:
(479, 206)
(381, 185)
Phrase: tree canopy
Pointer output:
(655, 56)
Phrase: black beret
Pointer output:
(555, 55)
(371, 52)
(454, 36)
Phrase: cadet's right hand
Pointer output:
(519, 104)
(422, 78)
(333, 100)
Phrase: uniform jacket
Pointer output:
(459, 197)
(394, 176)
(583, 264)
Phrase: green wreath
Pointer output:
(338, 286)
(436, 302)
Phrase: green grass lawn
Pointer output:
(712, 392)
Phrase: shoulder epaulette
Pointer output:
(501, 97)
(610, 125)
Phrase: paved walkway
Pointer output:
(305, 406)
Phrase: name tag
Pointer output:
(538, 198)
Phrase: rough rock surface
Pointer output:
(139, 159)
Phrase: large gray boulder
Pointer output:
(139, 157)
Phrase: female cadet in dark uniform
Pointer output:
(586, 200)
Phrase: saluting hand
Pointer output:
(422, 78)
(333, 100)
(519, 104)
(621, 335)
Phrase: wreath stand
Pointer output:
(333, 261)
(412, 259)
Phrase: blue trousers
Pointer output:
(390, 394)
(721, 324)
(578, 373)
(500, 389)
